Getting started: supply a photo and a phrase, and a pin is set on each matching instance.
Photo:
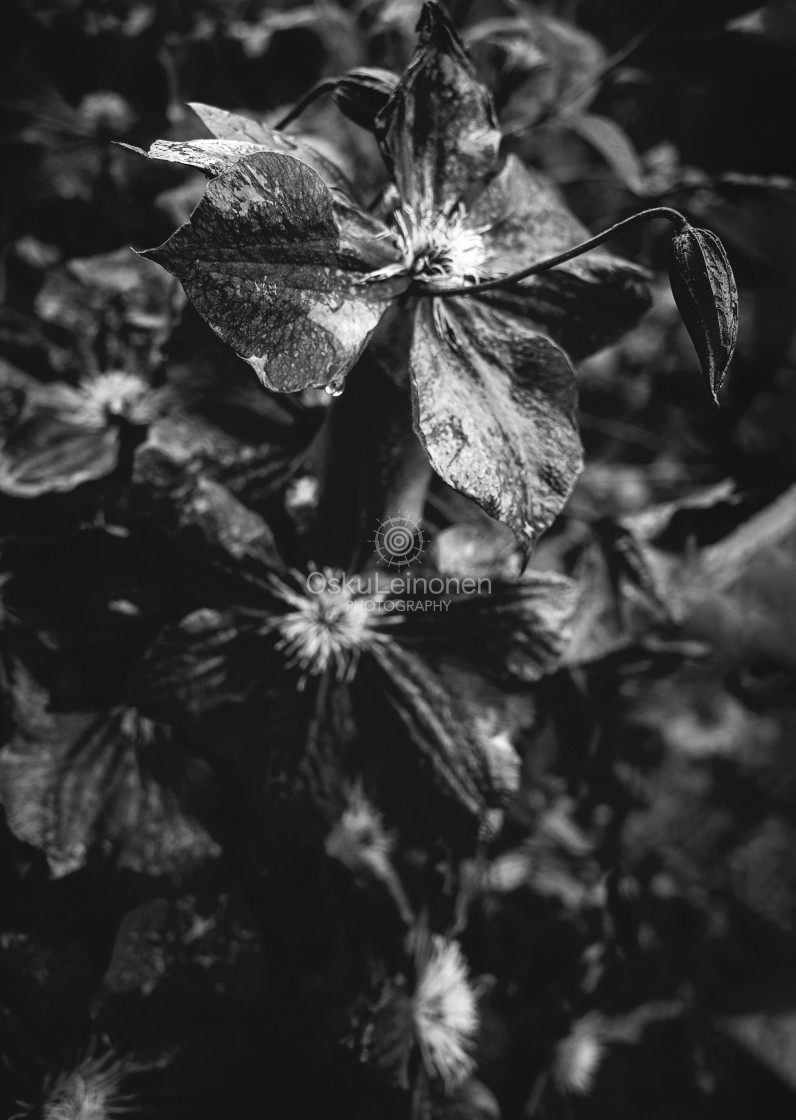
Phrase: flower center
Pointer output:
(441, 245)
(323, 631)
(436, 245)
(89, 1092)
(105, 397)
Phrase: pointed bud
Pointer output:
(707, 298)
(361, 94)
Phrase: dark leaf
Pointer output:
(438, 131)
(494, 408)
(613, 144)
(704, 290)
(262, 261)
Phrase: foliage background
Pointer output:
(643, 889)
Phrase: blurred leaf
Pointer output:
(613, 144)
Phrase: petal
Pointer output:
(206, 526)
(46, 455)
(84, 793)
(438, 131)
(295, 763)
(209, 659)
(504, 631)
(263, 261)
(495, 410)
(583, 304)
(421, 719)
(235, 129)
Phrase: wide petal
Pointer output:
(584, 304)
(263, 260)
(85, 791)
(439, 130)
(419, 721)
(504, 630)
(233, 129)
(46, 455)
(209, 660)
(494, 405)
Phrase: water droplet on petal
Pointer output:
(335, 387)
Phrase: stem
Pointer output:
(673, 216)
(318, 90)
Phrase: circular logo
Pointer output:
(398, 542)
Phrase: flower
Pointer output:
(286, 268)
(320, 678)
(67, 435)
(90, 1091)
(578, 1056)
(445, 1012)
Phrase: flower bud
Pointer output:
(361, 94)
(706, 296)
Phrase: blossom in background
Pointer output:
(445, 1011)
(317, 678)
(295, 276)
(65, 435)
(578, 1056)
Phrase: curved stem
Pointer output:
(318, 90)
(673, 216)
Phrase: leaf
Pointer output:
(583, 304)
(707, 298)
(232, 127)
(495, 412)
(439, 130)
(84, 793)
(261, 261)
(612, 143)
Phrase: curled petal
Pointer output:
(235, 129)
(439, 130)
